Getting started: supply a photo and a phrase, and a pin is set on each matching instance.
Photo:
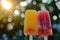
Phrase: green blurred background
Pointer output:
(12, 18)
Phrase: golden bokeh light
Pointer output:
(6, 4)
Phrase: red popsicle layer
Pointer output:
(45, 28)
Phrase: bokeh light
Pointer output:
(58, 28)
(6, 4)
(22, 9)
(9, 19)
(14, 37)
(22, 15)
(55, 0)
(5, 37)
(54, 26)
(42, 7)
(47, 1)
(20, 33)
(17, 7)
(23, 3)
(28, 1)
(44, 1)
(51, 9)
(34, 2)
(58, 4)
(54, 17)
(16, 13)
(59, 15)
(10, 26)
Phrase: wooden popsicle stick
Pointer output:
(45, 37)
(30, 37)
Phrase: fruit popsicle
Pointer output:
(31, 22)
(44, 28)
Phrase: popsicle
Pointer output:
(31, 22)
(44, 22)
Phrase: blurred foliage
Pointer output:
(4, 14)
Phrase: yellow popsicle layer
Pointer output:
(31, 22)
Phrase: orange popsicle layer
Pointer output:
(31, 22)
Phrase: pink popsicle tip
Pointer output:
(46, 11)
